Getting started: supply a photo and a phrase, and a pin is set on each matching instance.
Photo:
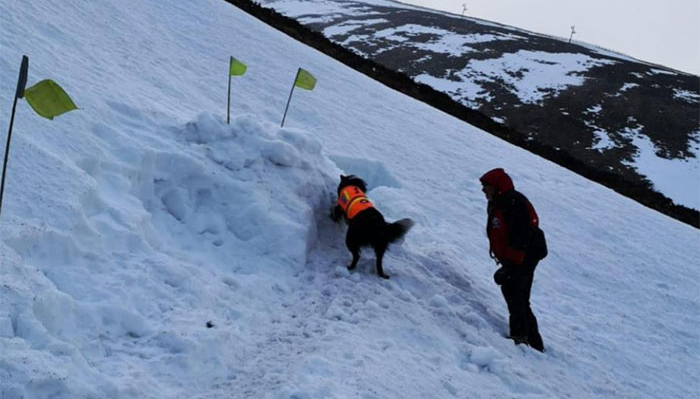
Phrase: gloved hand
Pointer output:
(493, 256)
(502, 275)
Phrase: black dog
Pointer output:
(367, 226)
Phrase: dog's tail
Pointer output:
(398, 229)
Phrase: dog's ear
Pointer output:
(362, 184)
(343, 178)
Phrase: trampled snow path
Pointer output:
(323, 311)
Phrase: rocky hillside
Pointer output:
(631, 125)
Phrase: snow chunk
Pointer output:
(439, 301)
(206, 129)
(483, 356)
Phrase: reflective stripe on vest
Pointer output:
(353, 201)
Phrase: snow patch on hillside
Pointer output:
(442, 41)
(533, 75)
(675, 178)
(348, 26)
(467, 90)
(601, 138)
(686, 95)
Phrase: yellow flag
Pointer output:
(305, 80)
(48, 99)
(236, 68)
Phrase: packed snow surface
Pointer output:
(148, 249)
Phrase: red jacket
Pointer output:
(511, 219)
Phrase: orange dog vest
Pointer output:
(353, 201)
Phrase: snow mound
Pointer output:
(246, 188)
(156, 227)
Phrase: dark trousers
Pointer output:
(516, 291)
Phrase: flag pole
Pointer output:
(21, 83)
(228, 106)
(290, 97)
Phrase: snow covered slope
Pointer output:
(133, 223)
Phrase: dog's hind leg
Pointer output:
(355, 259)
(379, 253)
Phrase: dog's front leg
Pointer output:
(336, 213)
(354, 250)
(353, 247)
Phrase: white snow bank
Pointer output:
(244, 195)
(259, 189)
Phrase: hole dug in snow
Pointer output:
(384, 190)
(374, 173)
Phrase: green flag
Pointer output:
(305, 80)
(236, 68)
(48, 99)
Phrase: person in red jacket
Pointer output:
(517, 244)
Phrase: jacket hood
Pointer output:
(499, 179)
